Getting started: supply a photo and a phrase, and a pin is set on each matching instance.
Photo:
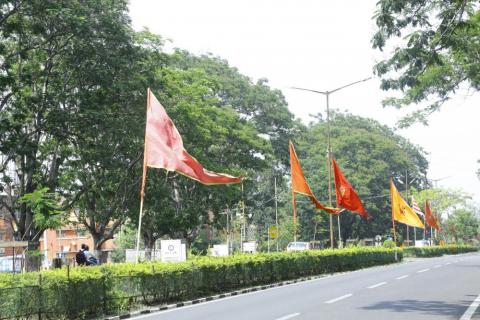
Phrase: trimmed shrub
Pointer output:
(88, 292)
(437, 251)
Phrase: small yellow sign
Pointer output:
(272, 232)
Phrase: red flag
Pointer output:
(300, 185)
(430, 218)
(346, 195)
(164, 148)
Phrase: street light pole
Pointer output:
(329, 148)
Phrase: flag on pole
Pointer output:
(347, 197)
(401, 211)
(300, 185)
(430, 218)
(416, 208)
(164, 148)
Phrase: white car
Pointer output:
(298, 246)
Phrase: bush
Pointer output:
(87, 292)
(437, 251)
(389, 244)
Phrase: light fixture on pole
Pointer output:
(329, 148)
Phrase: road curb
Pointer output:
(165, 307)
(211, 298)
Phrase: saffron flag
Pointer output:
(401, 211)
(347, 197)
(300, 185)
(430, 218)
(416, 208)
(164, 148)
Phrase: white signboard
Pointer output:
(172, 251)
(250, 247)
(220, 250)
(130, 255)
(421, 243)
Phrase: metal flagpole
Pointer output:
(406, 200)
(242, 230)
(393, 222)
(144, 179)
(276, 209)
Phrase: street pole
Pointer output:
(228, 235)
(276, 209)
(329, 149)
(329, 166)
(268, 240)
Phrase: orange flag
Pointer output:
(300, 185)
(430, 218)
(346, 195)
(401, 211)
(164, 148)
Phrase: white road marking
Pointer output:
(448, 263)
(377, 285)
(437, 266)
(402, 277)
(423, 270)
(288, 316)
(339, 298)
(471, 310)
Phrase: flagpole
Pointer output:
(294, 206)
(144, 180)
(242, 230)
(276, 209)
(406, 200)
(393, 220)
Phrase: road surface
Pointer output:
(431, 288)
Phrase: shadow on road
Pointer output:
(436, 308)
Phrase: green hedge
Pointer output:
(87, 292)
(437, 251)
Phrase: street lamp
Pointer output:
(329, 148)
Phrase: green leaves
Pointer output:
(435, 58)
(46, 208)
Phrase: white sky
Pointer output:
(319, 45)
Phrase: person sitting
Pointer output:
(84, 257)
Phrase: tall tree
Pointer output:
(61, 65)
(435, 51)
(463, 225)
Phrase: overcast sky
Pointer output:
(320, 45)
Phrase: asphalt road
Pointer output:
(432, 288)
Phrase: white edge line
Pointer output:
(339, 298)
(402, 277)
(288, 316)
(377, 285)
(423, 270)
(471, 309)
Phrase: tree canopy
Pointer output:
(435, 51)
